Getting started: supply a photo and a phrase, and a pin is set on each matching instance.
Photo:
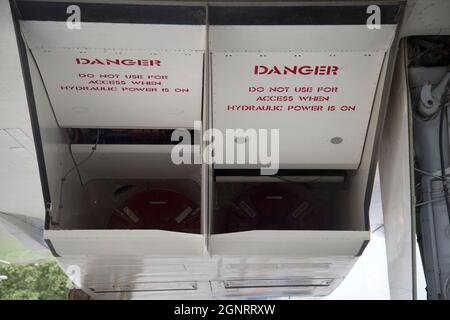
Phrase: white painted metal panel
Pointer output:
(303, 287)
(301, 38)
(135, 270)
(426, 17)
(395, 177)
(132, 162)
(125, 242)
(167, 94)
(92, 88)
(328, 98)
(289, 243)
(121, 36)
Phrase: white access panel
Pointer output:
(120, 242)
(118, 75)
(277, 38)
(321, 104)
(123, 36)
(289, 243)
(92, 88)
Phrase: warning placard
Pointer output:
(96, 88)
(315, 99)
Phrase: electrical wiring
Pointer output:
(419, 204)
(428, 173)
(423, 53)
(76, 165)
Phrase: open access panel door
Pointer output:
(132, 71)
(303, 70)
(128, 66)
(315, 73)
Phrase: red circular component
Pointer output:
(270, 206)
(157, 209)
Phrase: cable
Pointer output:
(419, 204)
(76, 165)
(439, 46)
(428, 173)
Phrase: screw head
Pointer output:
(336, 140)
